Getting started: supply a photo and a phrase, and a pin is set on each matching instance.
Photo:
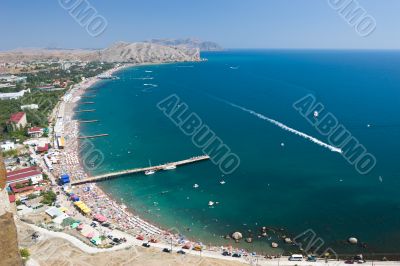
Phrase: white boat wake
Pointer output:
(285, 127)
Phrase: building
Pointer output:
(20, 176)
(35, 132)
(17, 121)
(12, 78)
(42, 149)
(30, 106)
(13, 95)
(7, 146)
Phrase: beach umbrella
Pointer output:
(237, 236)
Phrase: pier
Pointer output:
(85, 111)
(87, 103)
(88, 121)
(93, 136)
(89, 96)
(138, 170)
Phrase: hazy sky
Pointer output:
(231, 23)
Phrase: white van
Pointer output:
(296, 257)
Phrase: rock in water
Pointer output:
(249, 240)
(237, 236)
(288, 240)
(353, 240)
(274, 245)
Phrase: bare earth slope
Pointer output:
(118, 52)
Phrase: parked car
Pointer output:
(296, 257)
(167, 250)
(226, 253)
(146, 245)
(236, 255)
(181, 252)
(311, 258)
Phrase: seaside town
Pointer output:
(42, 158)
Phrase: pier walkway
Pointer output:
(138, 170)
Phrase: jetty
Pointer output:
(138, 170)
(89, 96)
(86, 111)
(93, 136)
(88, 121)
(87, 103)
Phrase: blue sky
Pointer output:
(231, 23)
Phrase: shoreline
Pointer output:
(97, 198)
(114, 211)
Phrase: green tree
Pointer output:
(24, 253)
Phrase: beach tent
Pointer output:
(75, 225)
(63, 209)
(100, 218)
(90, 235)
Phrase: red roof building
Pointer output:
(35, 132)
(17, 121)
(19, 176)
(45, 148)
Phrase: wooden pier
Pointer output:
(93, 136)
(88, 121)
(139, 170)
(85, 111)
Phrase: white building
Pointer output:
(12, 78)
(30, 106)
(13, 95)
(7, 146)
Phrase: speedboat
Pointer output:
(149, 172)
(195, 186)
(210, 203)
(316, 114)
(222, 182)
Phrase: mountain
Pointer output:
(189, 43)
(140, 52)
(147, 52)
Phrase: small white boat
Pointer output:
(316, 114)
(282, 144)
(150, 172)
(170, 167)
(222, 182)
(210, 203)
(195, 186)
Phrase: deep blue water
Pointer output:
(296, 187)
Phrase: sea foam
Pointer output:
(285, 127)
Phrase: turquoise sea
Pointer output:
(294, 187)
